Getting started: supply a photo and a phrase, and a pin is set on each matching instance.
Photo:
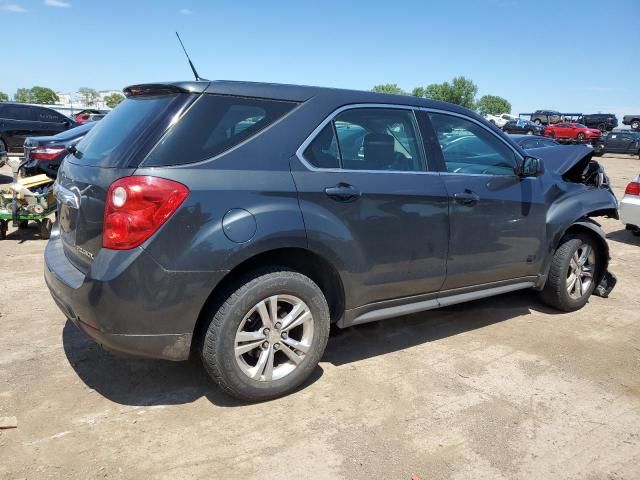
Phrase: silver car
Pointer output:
(630, 207)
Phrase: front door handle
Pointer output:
(466, 198)
(342, 192)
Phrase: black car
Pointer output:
(238, 220)
(605, 122)
(622, 141)
(523, 126)
(546, 117)
(527, 141)
(19, 121)
(45, 154)
(632, 120)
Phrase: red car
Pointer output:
(572, 131)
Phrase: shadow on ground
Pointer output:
(132, 381)
(21, 235)
(139, 381)
(624, 236)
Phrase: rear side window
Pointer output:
(121, 138)
(213, 125)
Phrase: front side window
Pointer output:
(468, 148)
(369, 139)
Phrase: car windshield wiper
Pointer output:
(74, 151)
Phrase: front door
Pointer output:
(497, 219)
(370, 205)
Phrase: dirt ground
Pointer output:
(503, 388)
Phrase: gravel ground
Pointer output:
(503, 388)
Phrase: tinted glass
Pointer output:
(46, 115)
(323, 151)
(122, 134)
(214, 124)
(379, 139)
(469, 148)
(14, 112)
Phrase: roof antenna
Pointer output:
(193, 69)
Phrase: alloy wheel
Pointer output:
(274, 337)
(581, 271)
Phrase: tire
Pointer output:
(537, 121)
(45, 228)
(529, 132)
(635, 124)
(558, 291)
(240, 315)
(602, 127)
(580, 137)
(552, 134)
(3, 146)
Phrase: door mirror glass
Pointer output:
(531, 167)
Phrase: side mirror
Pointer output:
(531, 167)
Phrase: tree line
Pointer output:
(46, 96)
(461, 91)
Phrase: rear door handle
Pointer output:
(342, 192)
(466, 198)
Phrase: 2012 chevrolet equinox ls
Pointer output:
(239, 220)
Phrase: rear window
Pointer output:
(124, 136)
(213, 125)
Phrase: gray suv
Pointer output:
(237, 221)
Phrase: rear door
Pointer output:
(49, 122)
(370, 204)
(613, 142)
(497, 219)
(628, 143)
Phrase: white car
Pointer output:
(501, 119)
(630, 207)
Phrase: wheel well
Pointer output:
(303, 261)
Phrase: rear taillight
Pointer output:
(45, 153)
(136, 207)
(632, 189)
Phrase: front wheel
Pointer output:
(268, 336)
(538, 121)
(635, 124)
(580, 137)
(572, 277)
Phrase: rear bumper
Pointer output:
(127, 302)
(630, 210)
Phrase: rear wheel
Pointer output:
(602, 127)
(268, 336)
(572, 276)
(538, 121)
(635, 124)
(580, 137)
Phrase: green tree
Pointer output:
(113, 100)
(493, 105)
(460, 91)
(88, 95)
(418, 92)
(4, 97)
(23, 95)
(389, 88)
(43, 95)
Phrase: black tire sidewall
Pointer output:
(562, 297)
(225, 368)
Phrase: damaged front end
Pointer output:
(579, 190)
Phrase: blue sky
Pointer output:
(566, 55)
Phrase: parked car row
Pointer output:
(605, 122)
